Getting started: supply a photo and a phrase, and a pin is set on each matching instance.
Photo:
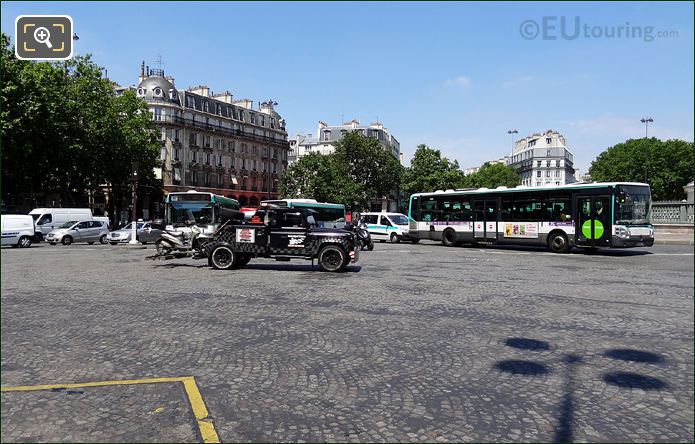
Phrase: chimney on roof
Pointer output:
(142, 71)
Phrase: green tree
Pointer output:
(429, 171)
(310, 177)
(65, 131)
(492, 175)
(668, 165)
(364, 170)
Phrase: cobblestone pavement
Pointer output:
(414, 343)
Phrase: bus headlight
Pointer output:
(622, 231)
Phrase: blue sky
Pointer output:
(455, 76)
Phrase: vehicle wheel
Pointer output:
(223, 258)
(67, 240)
(162, 247)
(415, 241)
(102, 239)
(24, 242)
(331, 258)
(558, 243)
(370, 247)
(91, 243)
(449, 238)
(394, 238)
(243, 260)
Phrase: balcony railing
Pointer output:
(220, 129)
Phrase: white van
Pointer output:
(48, 219)
(385, 226)
(17, 230)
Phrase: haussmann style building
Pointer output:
(211, 142)
(543, 159)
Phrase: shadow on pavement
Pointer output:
(521, 367)
(633, 380)
(527, 344)
(627, 354)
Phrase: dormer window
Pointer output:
(205, 105)
(158, 92)
(141, 92)
(172, 94)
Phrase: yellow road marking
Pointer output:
(207, 428)
(205, 424)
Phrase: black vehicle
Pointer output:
(362, 236)
(282, 234)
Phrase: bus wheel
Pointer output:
(449, 238)
(558, 243)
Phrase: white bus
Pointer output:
(591, 215)
(202, 208)
(331, 215)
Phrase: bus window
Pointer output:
(527, 210)
(466, 211)
(429, 210)
(557, 210)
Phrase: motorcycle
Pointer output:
(180, 243)
(362, 236)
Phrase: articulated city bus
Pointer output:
(591, 215)
(201, 207)
(331, 215)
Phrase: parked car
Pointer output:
(88, 231)
(145, 232)
(48, 219)
(18, 230)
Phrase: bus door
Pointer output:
(485, 223)
(593, 227)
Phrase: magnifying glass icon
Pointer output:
(42, 35)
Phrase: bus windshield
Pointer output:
(199, 212)
(633, 205)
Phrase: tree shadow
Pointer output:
(521, 367)
(633, 380)
(627, 354)
(527, 344)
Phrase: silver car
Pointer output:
(145, 234)
(88, 231)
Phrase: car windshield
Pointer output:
(130, 226)
(633, 205)
(68, 224)
(399, 219)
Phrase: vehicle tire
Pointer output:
(370, 247)
(558, 243)
(163, 247)
(415, 241)
(24, 242)
(223, 258)
(243, 260)
(394, 239)
(332, 258)
(67, 240)
(102, 239)
(449, 238)
(91, 243)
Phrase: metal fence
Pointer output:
(672, 212)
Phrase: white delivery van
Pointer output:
(48, 219)
(17, 230)
(385, 226)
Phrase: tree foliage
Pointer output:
(360, 170)
(668, 165)
(65, 131)
(492, 175)
(429, 171)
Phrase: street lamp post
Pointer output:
(646, 121)
(269, 104)
(134, 215)
(511, 132)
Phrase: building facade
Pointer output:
(328, 135)
(468, 171)
(213, 143)
(543, 159)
